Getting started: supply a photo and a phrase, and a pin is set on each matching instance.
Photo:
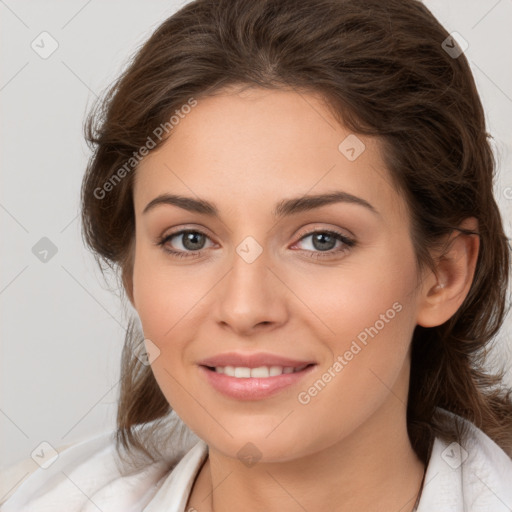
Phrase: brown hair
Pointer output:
(382, 69)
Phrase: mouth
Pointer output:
(261, 372)
(243, 383)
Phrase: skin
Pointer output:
(348, 448)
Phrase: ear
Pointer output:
(443, 291)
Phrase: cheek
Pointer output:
(377, 306)
(162, 295)
(169, 301)
(374, 290)
(368, 364)
(162, 305)
(367, 316)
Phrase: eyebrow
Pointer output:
(284, 208)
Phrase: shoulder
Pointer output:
(472, 474)
(91, 472)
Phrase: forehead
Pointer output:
(258, 146)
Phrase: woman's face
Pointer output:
(249, 281)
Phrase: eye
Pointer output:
(323, 241)
(192, 241)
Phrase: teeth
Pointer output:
(260, 372)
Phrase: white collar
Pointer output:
(475, 476)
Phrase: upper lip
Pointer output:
(253, 360)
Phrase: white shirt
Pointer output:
(87, 476)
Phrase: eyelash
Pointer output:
(349, 243)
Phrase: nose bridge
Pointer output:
(250, 294)
(249, 274)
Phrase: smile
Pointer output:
(245, 383)
(242, 372)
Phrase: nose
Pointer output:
(251, 296)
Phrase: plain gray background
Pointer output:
(61, 327)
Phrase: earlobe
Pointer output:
(444, 291)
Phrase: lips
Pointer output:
(254, 360)
(253, 388)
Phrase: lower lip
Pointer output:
(253, 388)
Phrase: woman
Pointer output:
(298, 197)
